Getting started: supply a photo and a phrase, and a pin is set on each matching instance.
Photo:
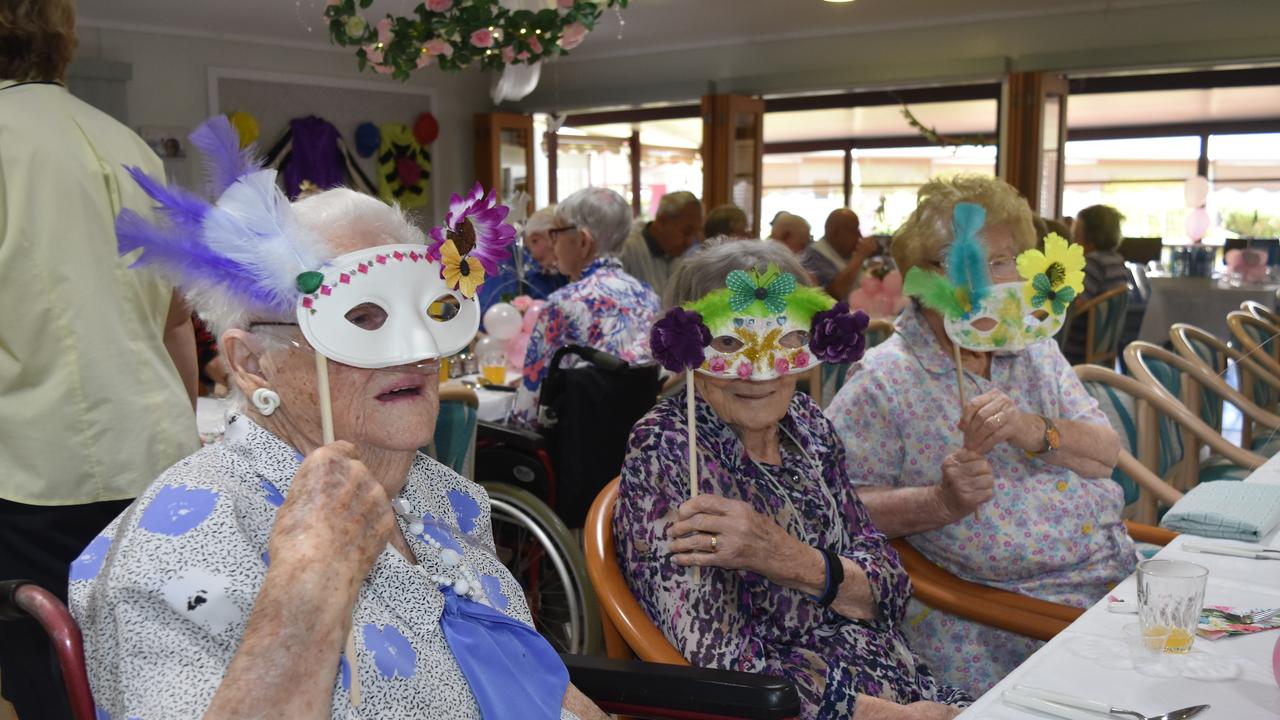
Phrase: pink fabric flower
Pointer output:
(535, 45)
(482, 38)
(508, 55)
(716, 365)
(384, 30)
(781, 366)
(573, 35)
(744, 369)
(564, 4)
(439, 47)
(373, 54)
(424, 60)
(801, 359)
(439, 5)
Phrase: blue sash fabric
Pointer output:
(513, 671)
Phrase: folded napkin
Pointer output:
(1226, 509)
(1213, 625)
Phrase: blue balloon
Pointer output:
(368, 138)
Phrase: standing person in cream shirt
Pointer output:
(653, 249)
(97, 361)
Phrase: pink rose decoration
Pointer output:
(439, 5)
(521, 302)
(879, 298)
(384, 30)
(523, 55)
(535, 45)
(573, 35)
(781, 366)
(482, 38)
(801, 359)
(564, 4)
(373, 54)
(508, 55)
(423, 60)
(716, 365)
(439, 47)
(744, 369)
(383, 69)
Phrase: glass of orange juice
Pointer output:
(1170, 597)
(491, 356)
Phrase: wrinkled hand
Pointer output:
(992, 418)
(745, 539)
(925, 710)
(866, 247)
(967, 483)
(336, 520)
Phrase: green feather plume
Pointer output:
(934, 290)
(804, 302)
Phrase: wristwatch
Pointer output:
(1052, 438)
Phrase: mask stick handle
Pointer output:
(326, 433)
(692, 424)
(955, 346)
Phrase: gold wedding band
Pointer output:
(999, 419)
(714, 540)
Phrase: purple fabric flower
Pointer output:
(475, 224)
(677, 340)
(839, 336)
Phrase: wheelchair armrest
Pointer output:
(520, 438)
(652, 689)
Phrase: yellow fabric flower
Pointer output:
(1061, 262)
(461, 273)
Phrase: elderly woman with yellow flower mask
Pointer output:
(1013, 488)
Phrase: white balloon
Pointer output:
(1196, 191)
(502, 321)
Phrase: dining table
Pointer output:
(1234, 675)
(1203, 302)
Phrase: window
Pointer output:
(1143, 178)
(810, 185)
(584, 161)
(1245, 174)
(885, 181)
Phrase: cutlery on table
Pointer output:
(1052, 702)
(1247, 619)
(1232, 550)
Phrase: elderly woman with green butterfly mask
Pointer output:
(969, 433)
(773, 565)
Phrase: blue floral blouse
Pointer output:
(605, 309)
(738, 620)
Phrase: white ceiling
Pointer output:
(645, 26)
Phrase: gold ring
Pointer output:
(999, 419)
(714, 540)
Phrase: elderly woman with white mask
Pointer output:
(603, 307)
(281, 573)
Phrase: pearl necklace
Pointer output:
(466, 584)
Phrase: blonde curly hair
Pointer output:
(925, 236)
(37, 39)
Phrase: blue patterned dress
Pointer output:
(606, 309)
(738, 620)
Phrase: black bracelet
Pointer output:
(835, 576)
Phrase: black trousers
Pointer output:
(38, 543)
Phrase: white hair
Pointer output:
(675, 203)
(705, 268)
(345, 221)
(542, 220)
(601, 211)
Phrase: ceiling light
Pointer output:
(839, 1)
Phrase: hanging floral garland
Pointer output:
(455, 34)
(933, 136)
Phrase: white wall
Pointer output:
(1136, 34)
(169, 86)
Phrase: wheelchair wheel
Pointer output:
(546, 560)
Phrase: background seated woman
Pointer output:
(228, 588)
(1031, 449)
(776, 508)
(603, 307)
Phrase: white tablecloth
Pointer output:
(494, 405)
(1233, 675)
(1199, 301)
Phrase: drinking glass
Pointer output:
(1170, 596)
(1146, 647)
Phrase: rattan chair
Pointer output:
(1256, 383)
(1260, 311)
(1258, 338)
(1104, 321)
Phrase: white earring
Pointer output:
(266, 400)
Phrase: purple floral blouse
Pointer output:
(1047, 533)
(605, 309)
(738, 620)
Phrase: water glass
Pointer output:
(1146, 647)
(1170, 596)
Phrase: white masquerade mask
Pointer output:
(386, 306)
(1005, 320)
(758, 348)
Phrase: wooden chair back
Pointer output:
(1104, 322)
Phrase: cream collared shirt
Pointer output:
(91, 406)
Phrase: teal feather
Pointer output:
(967, 258)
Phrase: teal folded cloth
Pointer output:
(1229, 510)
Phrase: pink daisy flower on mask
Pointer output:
(475, 225)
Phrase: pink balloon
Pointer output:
(871, 284)
(860, 299)
(531, 315)
(893, 283)
(1197, 224)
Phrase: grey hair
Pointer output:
(674, 203)
(601, 211)
(345, 220)
(705, 269)
(543, 219)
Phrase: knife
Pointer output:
(1057, 698)
(1029, 702)
(1233, 551)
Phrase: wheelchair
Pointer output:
(541, 483)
